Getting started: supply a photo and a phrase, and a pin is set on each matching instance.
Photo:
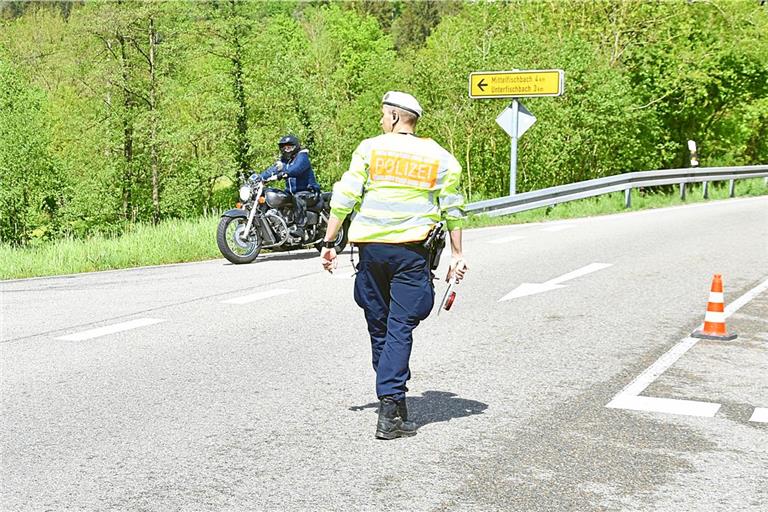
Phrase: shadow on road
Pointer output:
(283, 256)
(302, 254)
(434, 407)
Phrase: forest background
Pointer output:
(114, 114)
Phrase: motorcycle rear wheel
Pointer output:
(230, 242)
(342, 237)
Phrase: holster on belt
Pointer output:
(435, 243)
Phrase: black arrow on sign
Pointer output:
(482, 85)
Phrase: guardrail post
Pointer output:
(732, 189)
(628, 197)
(682, 191)
(706, 190)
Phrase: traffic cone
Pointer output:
(714, 320)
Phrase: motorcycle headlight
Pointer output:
(245, 193)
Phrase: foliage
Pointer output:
(115, 114)
(29, 188)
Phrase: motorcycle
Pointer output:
(265, 221)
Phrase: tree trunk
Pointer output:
(241, 137)
(153, 123)
(127, 177)
(242, 149)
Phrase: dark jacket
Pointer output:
(301, 177)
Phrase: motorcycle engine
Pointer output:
(278, 223)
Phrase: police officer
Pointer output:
(294, 165)
(400, 187)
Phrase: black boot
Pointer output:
(391, 424)
(402, 410)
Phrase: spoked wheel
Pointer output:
(233, 242)
(341, 238)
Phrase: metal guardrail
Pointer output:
(626, 182)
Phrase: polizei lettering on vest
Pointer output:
(403, 168)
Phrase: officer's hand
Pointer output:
(328, 258)
(457, 268)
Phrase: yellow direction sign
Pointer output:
(516, 84)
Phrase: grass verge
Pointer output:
(176, 241)
(172, 241)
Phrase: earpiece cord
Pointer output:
(352, 258)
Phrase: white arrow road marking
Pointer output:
(628, 397)
(553, 229)
(553, 284)
(256, 296)
(760, 415)
(110, 329)
(506, 239)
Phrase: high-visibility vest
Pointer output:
(399, 187)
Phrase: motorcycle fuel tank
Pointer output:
(277, 198)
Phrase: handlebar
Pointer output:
(256, 178)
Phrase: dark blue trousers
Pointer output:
(394, 288)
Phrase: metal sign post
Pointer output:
(513, 150)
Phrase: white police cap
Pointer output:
(402, 100)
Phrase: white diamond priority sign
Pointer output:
(524, 120)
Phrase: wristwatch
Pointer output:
(329, 245)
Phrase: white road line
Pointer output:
(760, 415)
(506, 239)
(110, 329)
(627, 398)
(751, 294)
(666, 405)
(661, 365)
(256, 296)
(554, 229)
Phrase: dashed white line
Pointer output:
(506, 239)
(554, 229)
(760, 415)
(110, 329)
(246, 299)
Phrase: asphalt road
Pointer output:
(250, 387)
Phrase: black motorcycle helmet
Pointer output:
(289, 147)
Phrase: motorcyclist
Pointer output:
(294, 165)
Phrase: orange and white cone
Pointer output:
(714, 320)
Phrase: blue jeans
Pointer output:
(394, 288)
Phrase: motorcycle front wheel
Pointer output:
(233, 244)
